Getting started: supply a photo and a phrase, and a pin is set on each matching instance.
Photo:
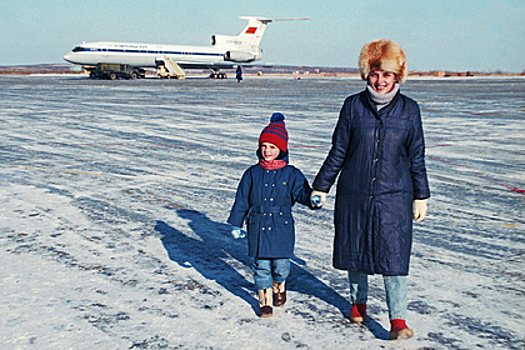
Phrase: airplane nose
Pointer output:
(68, 57)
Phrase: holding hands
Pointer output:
(318, 199)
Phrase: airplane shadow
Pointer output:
(208, 255)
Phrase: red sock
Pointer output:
(397, 324)
(358, 310)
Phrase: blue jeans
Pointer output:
(395, 288)
(268, 270)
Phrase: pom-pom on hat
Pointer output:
(385, 55)
(275, 132)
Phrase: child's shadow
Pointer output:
(209, 255)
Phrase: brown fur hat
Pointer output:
(385, 55)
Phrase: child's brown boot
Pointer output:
(399, 330)
(279, 293)
(265, 302)
(358, 313)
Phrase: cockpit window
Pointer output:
(78, 49)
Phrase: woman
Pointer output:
(379, 149)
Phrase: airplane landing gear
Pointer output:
(218, 75)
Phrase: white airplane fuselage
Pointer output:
(147, 55)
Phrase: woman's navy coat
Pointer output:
(264, 199)
(380, 156)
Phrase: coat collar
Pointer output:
(366, 99)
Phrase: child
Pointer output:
(264, 198)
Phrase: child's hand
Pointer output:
(237, 233)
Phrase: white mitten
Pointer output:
(420, 209)
(237, 233)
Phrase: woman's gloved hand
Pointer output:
(237, 233)
(420, 209)
(315, 201)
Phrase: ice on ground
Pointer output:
(114, 196)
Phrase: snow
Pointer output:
(114, 196)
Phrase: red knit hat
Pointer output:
(275, 133)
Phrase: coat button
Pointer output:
(269, 228)
(262, 229)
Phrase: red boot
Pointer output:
(400, 330)
(358, 313)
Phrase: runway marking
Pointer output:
(479, 174)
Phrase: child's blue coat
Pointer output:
(264, 200)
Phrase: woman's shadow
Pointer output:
(211, 255)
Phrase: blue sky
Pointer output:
(475, 35)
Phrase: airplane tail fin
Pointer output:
(245, 46)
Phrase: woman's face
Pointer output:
(381, 81)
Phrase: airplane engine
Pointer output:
(239, 56)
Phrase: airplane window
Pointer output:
(78, 49)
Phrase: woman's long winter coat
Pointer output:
(381, 158)
(264, 199)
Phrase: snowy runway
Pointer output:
(114, 196)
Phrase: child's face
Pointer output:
(269, 151)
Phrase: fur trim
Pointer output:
(385, 55)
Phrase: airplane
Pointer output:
(171, 60)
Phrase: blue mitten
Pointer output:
(237, 233)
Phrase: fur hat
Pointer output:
(385, 55)
(275, 133)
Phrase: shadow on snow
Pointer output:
(213, 253)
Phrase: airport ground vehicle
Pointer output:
(115, 71)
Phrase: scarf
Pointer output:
(272, 164)
(382, 100)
